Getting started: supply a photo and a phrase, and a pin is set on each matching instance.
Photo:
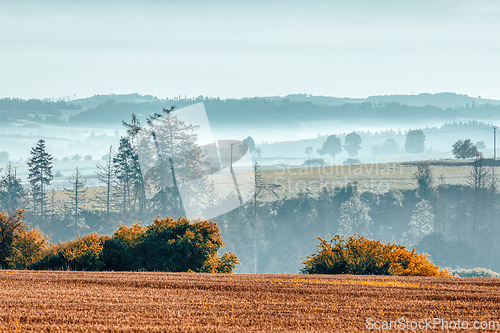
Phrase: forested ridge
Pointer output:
(267, 110)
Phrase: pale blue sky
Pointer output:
(251, 48)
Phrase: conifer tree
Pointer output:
(12, 191)
(40, 175)
(139, 190)
(126, 168)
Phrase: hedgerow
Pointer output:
(165, 245)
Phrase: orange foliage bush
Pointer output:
(358, 255)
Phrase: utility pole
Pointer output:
(231, 163)
(494, 150)
(493, 188)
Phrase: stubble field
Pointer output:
(379, 177)
(45, 301)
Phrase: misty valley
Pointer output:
(416, 170)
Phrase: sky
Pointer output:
(234, 49)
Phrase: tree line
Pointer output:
(165, 245)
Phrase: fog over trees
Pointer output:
(452, 219)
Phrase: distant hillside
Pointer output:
(267, 111)
(95, 101)
(440, 100)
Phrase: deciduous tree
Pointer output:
(107, 177)
(464, 149)
(421, 224)
(424, 179)
(352, 144)
(10, 225)
(332, 146)
(415, 142)
(354, 217)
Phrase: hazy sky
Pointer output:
(249, 48)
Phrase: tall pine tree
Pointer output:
(12, 191)
(127, 172)
(139, 197)
(40, 175)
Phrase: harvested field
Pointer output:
(379, 177)
(42, 301)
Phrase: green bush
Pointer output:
(118, 252)
(165, 245)
(10, 226)
(447, 253)
(358, 255)
(179, 246)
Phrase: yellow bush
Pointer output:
(220, 264)
(410, 263)
(358, 255)
(84, 253)
(29, 246)
(130, 236)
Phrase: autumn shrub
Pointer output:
(29, 246)
(119, 251)
(358, 255)
(84, 253)
(10, 226)
(410, 263)
(20, 245)
(179, 246)
(54, 259)
(165, 245)
(223, 264)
